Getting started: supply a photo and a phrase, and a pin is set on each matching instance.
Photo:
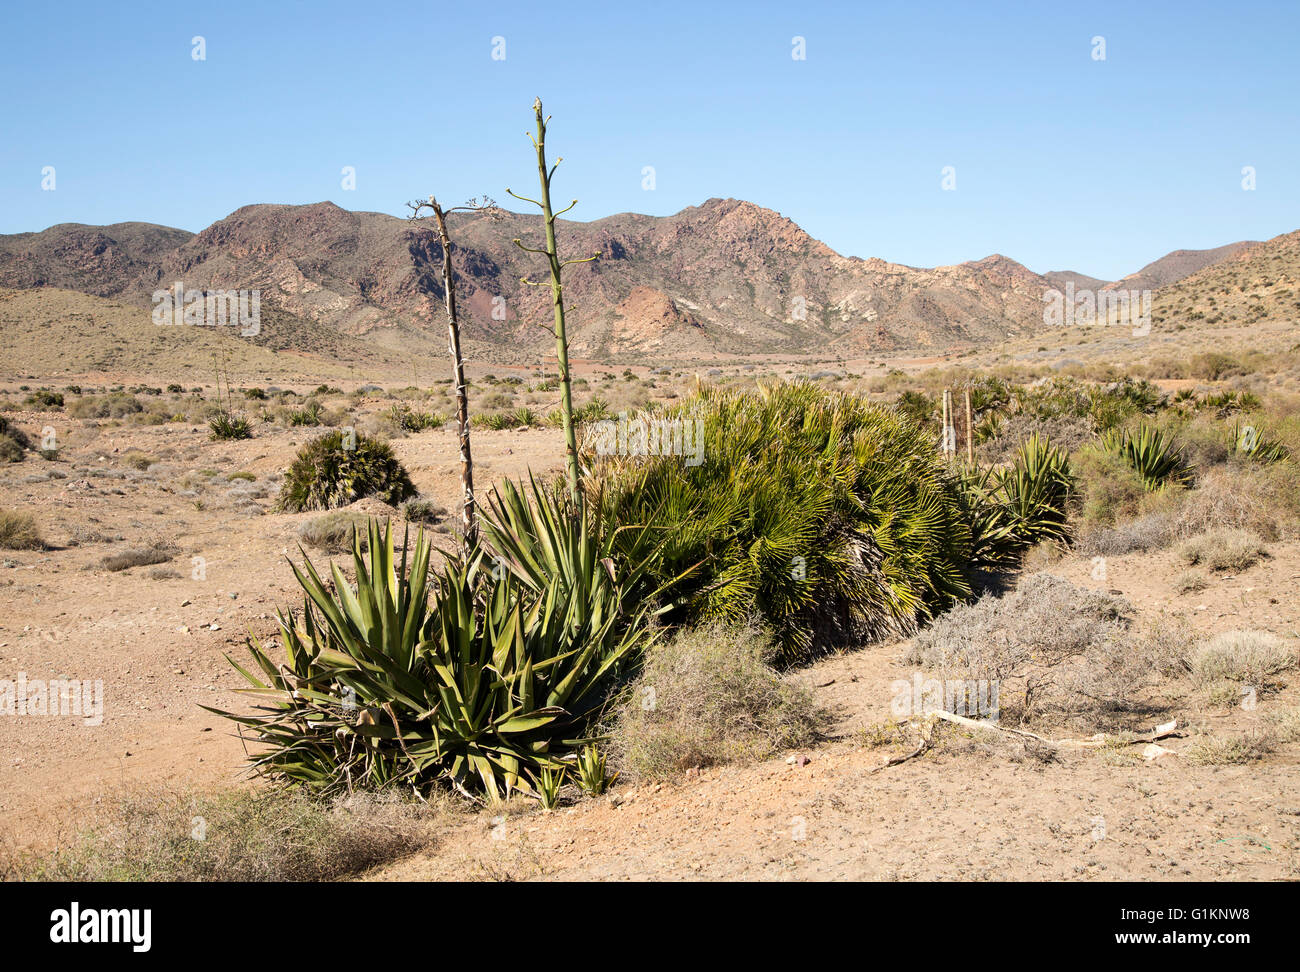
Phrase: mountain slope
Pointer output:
(1178, 265)
(1259, 284)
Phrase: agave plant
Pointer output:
(1013, 508)
(547, 783)
(1151, 453)
(481, 680)
(593, 778)
(1250, 442)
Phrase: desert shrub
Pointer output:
(1067, 432)
(1223, 750)
(423, 511)
(112, 405)
(44, 398)
(1262, 500)
(496, 401)
(1284, 724)
(708, 696)
(274, 835)
(1212, 365)
(1222, 549)
(18, 531)
(828, 518)
(1191, 582)
(334, 531)
(1249, 657)
(1109, 489)
(326, 475)
(137, 459)
(1154, 531)
(15, 439)
(1051, 647)
(154, 553)
(10, 450)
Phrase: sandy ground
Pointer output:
(977, 807)
(971, 809)
(158, 644)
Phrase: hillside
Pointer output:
(1178, 265)
(1259, 284)
(51, 332)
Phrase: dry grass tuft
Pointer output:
(706, 697)
(1222, 549)
(18, 531)
(1249, 657)
(260, 835)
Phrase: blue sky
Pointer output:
(1062, 161)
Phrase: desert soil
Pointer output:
(970, 809)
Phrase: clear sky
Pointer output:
(1061, 161)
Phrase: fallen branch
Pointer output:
(1100, 739)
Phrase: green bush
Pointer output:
(44, 398)
(1110, 489)
(326, 475)
(825, 517)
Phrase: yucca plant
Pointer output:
(1151, 452)
(332, 470)
(481, 681)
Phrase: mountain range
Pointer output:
(726, 277)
